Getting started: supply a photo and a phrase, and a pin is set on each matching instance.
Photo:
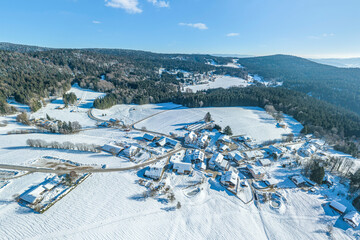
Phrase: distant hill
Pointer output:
(339, 62)
(20, 48)
(339, 86)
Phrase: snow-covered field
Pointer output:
(130, 113)
(251, 121)
(107, 205)
(220, 82)
(72, 113)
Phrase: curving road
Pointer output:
(85, 169)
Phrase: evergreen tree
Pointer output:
(207, 117)
(228, 131)
(317, 173)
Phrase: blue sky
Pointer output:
(309, 28)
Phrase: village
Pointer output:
(179, 166)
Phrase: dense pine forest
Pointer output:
(339, 86)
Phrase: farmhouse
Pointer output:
(34, 196)
(154, 173)
(165, 141)
(251, 155)
(114, 149)
(182, 168)
(229, 179)
(337, 207)
(352, 218)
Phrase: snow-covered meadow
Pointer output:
(220, 82)
(72, 113)
(250, 121)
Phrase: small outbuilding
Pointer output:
(352, 218)
(337, 207)
(148, 137)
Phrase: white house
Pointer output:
(352, 218)
(203, 141)
(251, 155)
(197, 156)
(131, 151)
(337, 207)
(190, 137)
(229, 179)
(154, 172)
(165, 141)
(182, 168)
(217, 160)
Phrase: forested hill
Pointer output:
(31, 73)
(339, 86)
(21, 48)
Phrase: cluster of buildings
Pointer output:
(351, 217)
(128, 151)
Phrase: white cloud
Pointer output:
(96, 22)
(131, 6)
(232, 34)
(324, 35)
(200, 26)
(159, 3)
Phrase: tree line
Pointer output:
(39, 143)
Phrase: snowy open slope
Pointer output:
(104, 207)
(251, 121)
(72, 113)
(220, 82)
(130, 113)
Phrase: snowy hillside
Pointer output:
(125, 204)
